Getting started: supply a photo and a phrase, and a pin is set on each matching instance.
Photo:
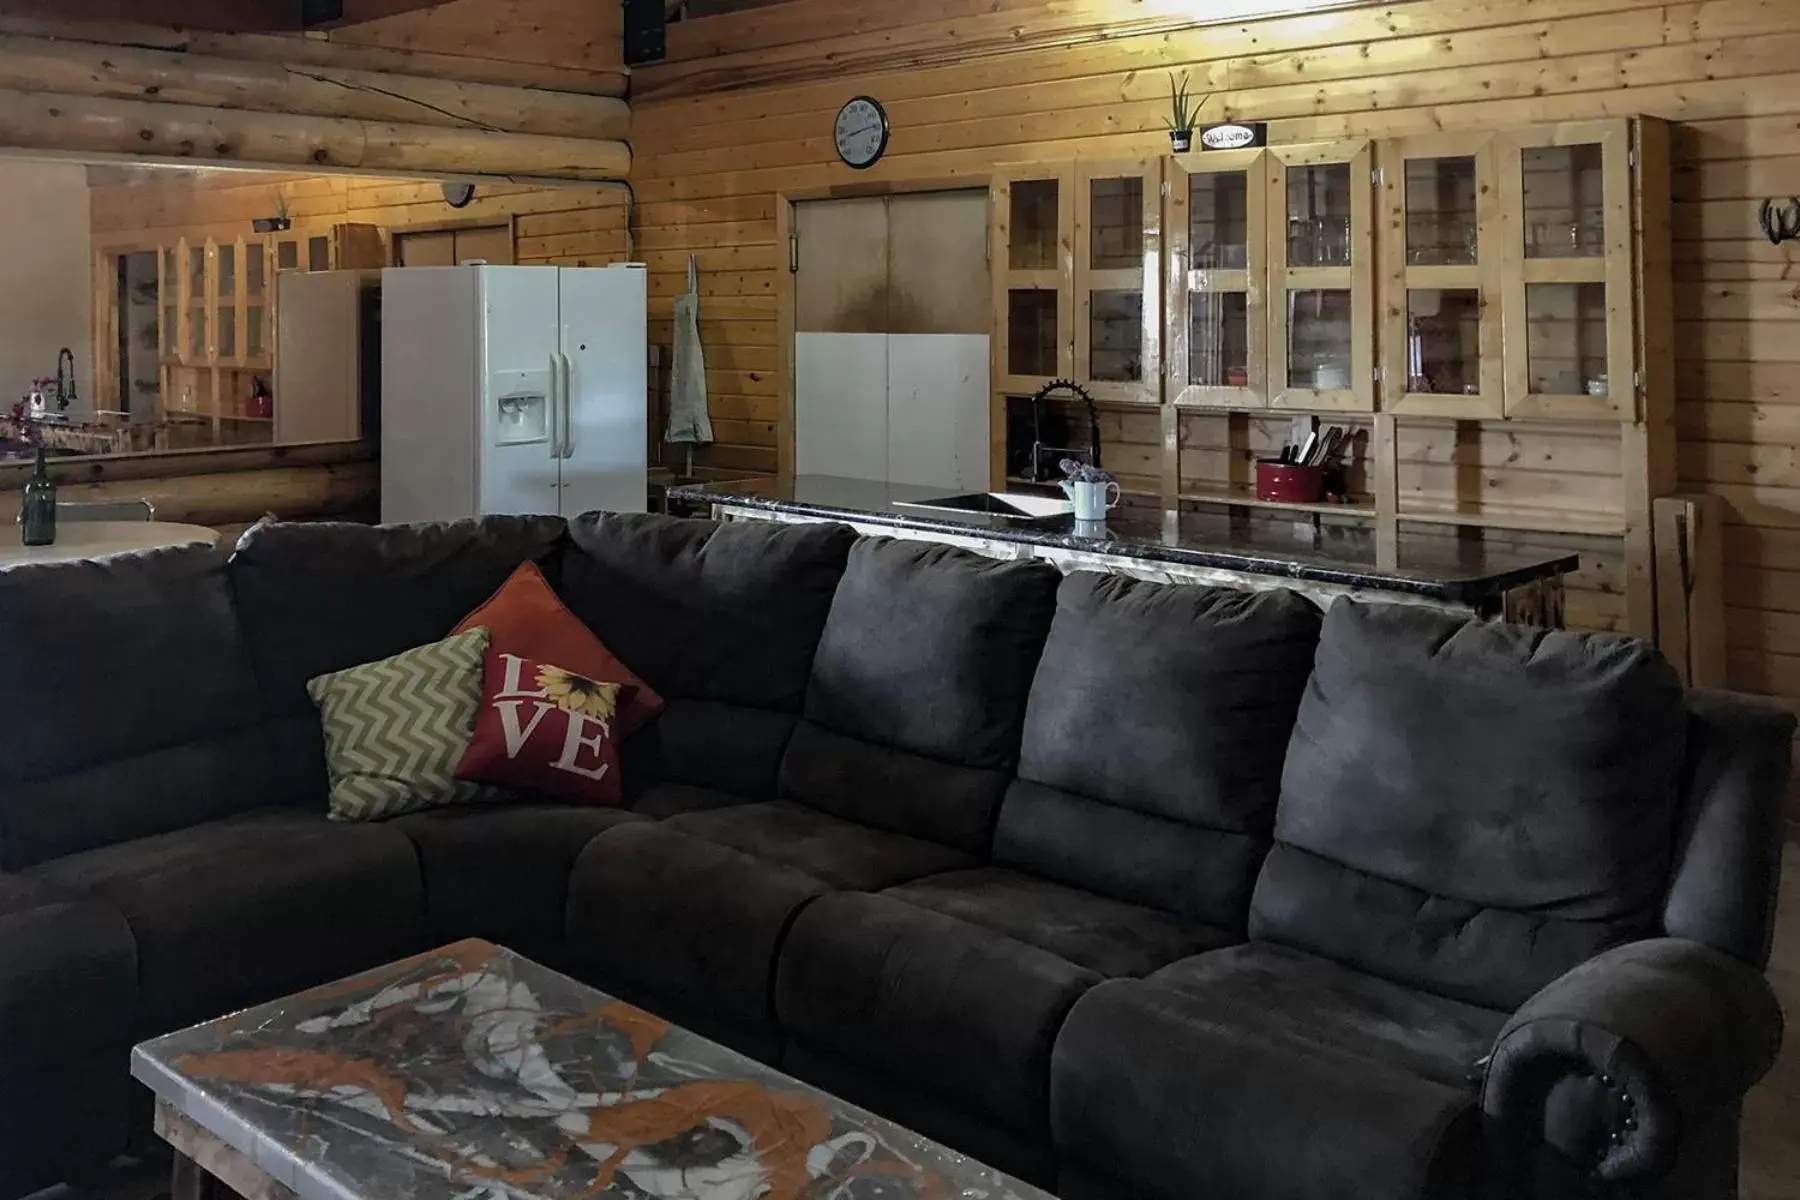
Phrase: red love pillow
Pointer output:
(545, 729)
(527, 618)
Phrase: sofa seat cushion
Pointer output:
(1306, 1080)
(68, 975)
(957, 983)
(655, 912)
(239, 911)
(501, 871)
(837, 853)
(673, 799)
(1104, 935)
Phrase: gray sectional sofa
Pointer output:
(1134, 890)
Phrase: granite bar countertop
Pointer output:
(1431, 565)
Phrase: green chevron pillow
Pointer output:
(395, 729)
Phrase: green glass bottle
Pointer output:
(37, 512)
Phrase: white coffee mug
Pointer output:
(1091, 499)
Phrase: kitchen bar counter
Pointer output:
(1322, 558)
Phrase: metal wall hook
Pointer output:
(1780, 225)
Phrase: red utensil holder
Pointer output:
(1289, 483)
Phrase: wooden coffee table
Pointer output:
(474, 1074)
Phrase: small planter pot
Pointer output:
(1182, 140)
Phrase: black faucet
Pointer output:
(65, 384)
(1040, 453)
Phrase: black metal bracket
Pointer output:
(646, 32)
(1037, 425)
(1783, 224)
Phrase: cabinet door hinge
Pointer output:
(1631, 158)
(1375, 177)
(793, 254)
(1637, 380)
(1167, 189)
(1377, 374)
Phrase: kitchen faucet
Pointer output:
(65, 384)
(1055, 454)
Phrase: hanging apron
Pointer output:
(688, 419)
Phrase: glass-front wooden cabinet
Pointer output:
(1118, 276)
(1440, 236)
(1217, 280)
(217, 303)
(1032, 238)
(1566, 271)
(1321, 285)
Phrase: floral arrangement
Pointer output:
(1076, 471)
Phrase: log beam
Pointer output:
(136, 130)
(35, 64)
(243, 15)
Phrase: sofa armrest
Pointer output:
(1612, 1062)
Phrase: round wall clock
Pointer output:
(459, 195)
(862, 132)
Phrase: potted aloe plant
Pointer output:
(1181, 114)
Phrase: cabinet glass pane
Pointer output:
(1318, 215)
(1443, 342)
(1031, 333)
(197, 332)
(227, 331)
(256, 266)
(1219, 221)
(1565, 338)
(1035, 225)
(287, 256)
(1116, 337)
(1219, 339)
(254, 341)
(171, 329)
(1440, 212)
(227, 272)
(318, 254)
(196, 274)
(1319, 339)
(1565, 201)
(1116, 214)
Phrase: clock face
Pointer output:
(862, 133)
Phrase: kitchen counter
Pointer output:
(1323, 558)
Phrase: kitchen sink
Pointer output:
(994, 504)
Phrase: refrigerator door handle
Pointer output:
(556, 404)
(568, 406)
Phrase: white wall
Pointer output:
(46, 277)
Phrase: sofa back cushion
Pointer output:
(722, 620)
(128, 702)
(316, 598)
(1154, 740)
(918, 691)
(1470, 807)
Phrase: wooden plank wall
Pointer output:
(745, 112)
(576, 225)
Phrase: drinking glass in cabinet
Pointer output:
(1116, 337)
(1318, 216)
(1031, 333)
(1440, 212)
(1219, 221)
(1565, 342)
(1443, 341)
(1319, 339)
(1035, 225)
(1219, 339)
(1116, 224)
(1564, 201)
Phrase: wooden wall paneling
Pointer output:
(1401, 274)
(1219, 274)
(1355, 277)
(36, 64)
(1118, 279)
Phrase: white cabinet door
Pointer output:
(605, 338)
(937, 410)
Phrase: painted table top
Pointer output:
(473, 1073)
(97, 539)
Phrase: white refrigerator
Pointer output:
(513, 390)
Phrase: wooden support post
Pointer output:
(1690, 587)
